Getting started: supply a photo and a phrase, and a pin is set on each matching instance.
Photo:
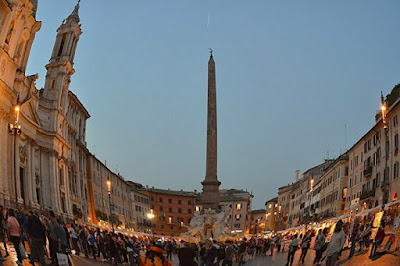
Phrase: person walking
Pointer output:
(273, 241)
(170, 249)
(37, 234)
(305, 245)
(74, 238)
(83, 240)
(14, 233)
(243, 249)
(3, 229)
(293, 247)
(54, 238)
(278, 244)
(100, 244)
(355, 235)
(211, 254)
(91, 244)
(318, 246)
(229, 254)
(186, 255)
(380, 235)
(336, 244)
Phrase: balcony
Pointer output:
(368, 171)
(366, 194)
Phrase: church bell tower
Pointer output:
(60, 67)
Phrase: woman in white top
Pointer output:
(335, 245)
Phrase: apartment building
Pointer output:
(374, 161)
(172, 210)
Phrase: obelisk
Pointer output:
(210, 196)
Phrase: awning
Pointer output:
(368, 211)
(340, 217)
(392, 203)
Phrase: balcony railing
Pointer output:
(368, 171)
(366, 194)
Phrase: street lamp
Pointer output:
(109, 201)
(386, 172)
(150, 215)
(15, 130)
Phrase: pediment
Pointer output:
(31, 114)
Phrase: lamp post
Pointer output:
(109, 201)
(15, 130)
(150, 215)
(386, 172)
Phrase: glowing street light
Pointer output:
(150, 215)
(15, 130)
(386, 172)
(109, 201)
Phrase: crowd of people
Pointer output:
(50, 240)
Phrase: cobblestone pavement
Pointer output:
(281, 258)
(392, 259)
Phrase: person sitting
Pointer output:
(380, 235)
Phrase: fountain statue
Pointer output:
(210, 224)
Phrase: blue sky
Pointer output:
(290, 76)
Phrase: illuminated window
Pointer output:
(270, 206)
(238, 216)
(238, 206)
(197, 208)
(276, 205)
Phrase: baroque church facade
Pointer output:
(45, 166)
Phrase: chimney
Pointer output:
(296, 173)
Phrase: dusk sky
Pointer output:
(297, 82)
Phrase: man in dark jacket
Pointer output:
(186, 255)
(211, 254)
(37, 235)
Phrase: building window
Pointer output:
(238, 216)
(179, 210)
(170, 209)
(238, 207)
(189, 202)
(160, 199)
(189, 211)
(169, 200)
(396, 142)
(396, 170)
(179, 202)
(161, 209)
(395, 120)
(152, 198)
